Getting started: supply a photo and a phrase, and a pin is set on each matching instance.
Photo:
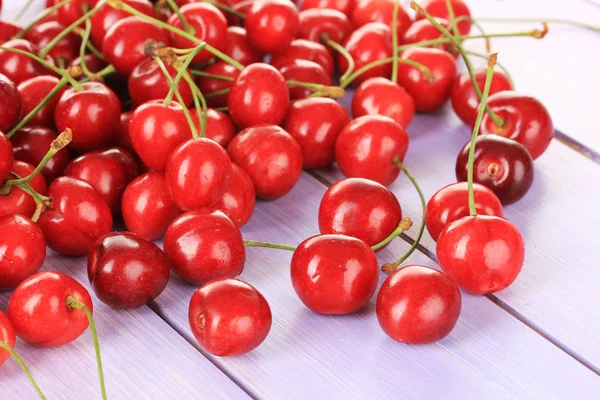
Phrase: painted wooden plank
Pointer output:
(490, 354)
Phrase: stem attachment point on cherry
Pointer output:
(403, 226)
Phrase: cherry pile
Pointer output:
(175, 116)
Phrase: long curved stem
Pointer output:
(198, 96)
(395, 42)
(541, 20)
(213, 76)
(21, 363)
(426, 72)
(253, 243)
(84, 41)
(342, 50)
(186, 27)
(452, 17)
(43, 15)
(23, 10)
(403, 226)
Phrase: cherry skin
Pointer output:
(271, 25)
(39, 312)
(8, 30)
(121, 137)
(10, 104)
(238, 47)
(367, 11)
(92, 62)
(429, 95)
(219, 127)
(259, 95)
(74, 10)
(304, 71)
(126, 270)
(315, 22)
(501, 164)
(367, 147)
(146, 206)
(108, 170)
(205, 245)
(316, 123)
(33, 91)
(18, 201)
(211, 85)
(229, 317)
(526, 121)
(465, 101)
(7, 335)
(451, 203)
(23, 250)
(380, 96)
(483, 254)
(78, 216)
(430, 302)
(42, 34)
(147, 82)
(334, 274)
(359, 208)
(439, 8)
(6, 156)
(301, 49)
(344, 6)
(107, 16)
(17, 67)
(424, 30)
(272, 158)
(156, 129)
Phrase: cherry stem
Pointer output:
(222, 109)
(202, 107)
(395, 42)
(503, 68)
(89, 45)
(425, 71)
(217, 93)
(109, 69)
(213, 76)
(19, 360)
(334, 92)
(186, 27)
(539, 20)
(452, 17)
(488, 43)
(403, 226)
(342, 50)
(225, 8)
(486, 91)
(84, 41)
(183, 68)
(43, 15)
(253, 243)
(23, 10)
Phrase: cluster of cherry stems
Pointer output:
(188, 175)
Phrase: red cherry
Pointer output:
(147, 82)
(359, 208)
(526, 121)
(380, 96)
(33, 91)
(367, 147)
(334, 274)
(127, 271)
(107, 16)
(424, 30)
(367, 11)
(39, 312)
(212, 85)
(92, 62)
(219, 127)
(17, 67)
(429, 301)
(238, 47)
(7, 31)
(483, 254)
(259, 95)
(316, 123)
(156, 129)
(124, 43)
(501, 164)
(344, 6)
(304, 71)
(77, 217)
(18, 201)
(205, 245)
(10, 104)
(429, 95)
(121, 137)
(7, 335)
(464, 97)
(146, 206)
(31, 144)
(23, 250)
(6, 156)
(71, 12)
(439, 8)
(208, 24)
(42, 34)
(451, 203)
(229, 317)
(272, 158)
(368, 43)
(318, 21)
(301, 49)
(271, 25)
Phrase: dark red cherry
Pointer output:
(229, 317)
(92, 62)
(430, 302)
(74, 10)
(271, 25)
(66, 49)
(259, 95)
(526, 121)
(315, 22)
(367, 11)
(238, 47)
(501, 164)
(7, 31)
(211, 85)
(77, 217)
(126, 270)
(17, 67)
(122, 137)
(439, 8)
(107, 16)
(301, 49)
(482, 254)
(219, 127)
(10, 104)
(39, 312)
(205, 245)
(334, 274)
(33, 91)
(367, 147)
(344, 6)
(23, 250)
(18, 201)
(451, 203)
(316, 123)
(7, 335)
(423, 30)
(272, 158)
(304, 71)
(6, 156)
(380, 96)
(428, 94)
(147, 82)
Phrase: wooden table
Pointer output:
(536, 339)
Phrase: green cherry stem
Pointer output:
(23, 10)
(84, 41)
(502, 67)
(203, 106)
(342, 50)
(217, 93)
(488, 43)
(426, 72)
(41, 202)
(395, 42)
(43, 15)
(403, 226)
(334, 92)
(21, 363)
(213, 76)
(186, 27)
(452, 17)
(253, 243)
(222, 109)
(90, 46)
(183, 68)
(540, 20)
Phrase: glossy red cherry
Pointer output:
(439, 8)
(10, 104)
(367, 11)
(205, 245)
(7, 335)
(124, 43)
(271, 25)
(334, 274)
(39, 312)
(219, 127)
(17, 67)
(66, 49)
(272, 158)
(6, 156)
(107, 16)
(8, 30)
(428, 94)
(304, 71)
(482, 254)
(380, 96)
(78, 216)
(315, 22)
(23, 250)
(18, 201)
(451, 203)
(33, 91)
(316, 123)
(147, 82)
(126, 270)
(359, 208)
(367, 147)
(501, 164)
(424, 30)
(74, 10)
(229, 317)
(464, 97)
(430, 305)
(259, 95)
(211, 85)
(526, 121)
(344, 6)
(301, 49)
(156, 129)
(238, 47)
